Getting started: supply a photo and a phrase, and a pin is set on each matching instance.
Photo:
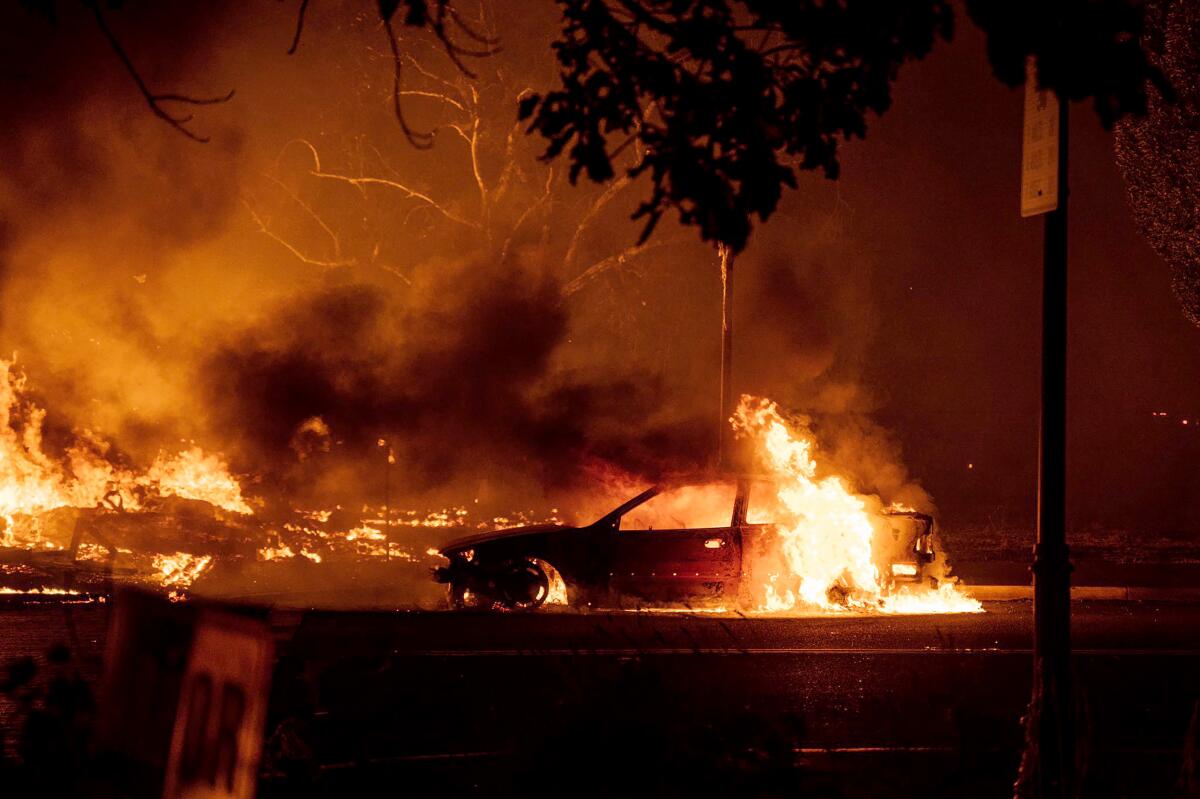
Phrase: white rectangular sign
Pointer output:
(1039, 151)
(217, 739)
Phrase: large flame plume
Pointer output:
(31, 482)
(825, 554)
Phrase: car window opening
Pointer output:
(692, 507)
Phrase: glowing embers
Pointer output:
(822, 554)
(375, 533)
(178, 571)
(39, 591)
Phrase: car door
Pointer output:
(679, 546)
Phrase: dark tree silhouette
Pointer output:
(1159, 154)
(437, 16)
(1085, 50)
(741, 94)
(745, 92)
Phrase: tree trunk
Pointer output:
(727, 406)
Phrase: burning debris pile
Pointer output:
(87, 508)
(83, 503)
(79, 511)
(33, 483)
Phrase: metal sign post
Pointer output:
(1049, 765)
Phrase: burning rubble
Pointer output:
(169, 523)
(85, 516)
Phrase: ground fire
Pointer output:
(816, 551)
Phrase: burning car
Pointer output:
(688, 544)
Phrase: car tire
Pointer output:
(534, 586)
(459, 596)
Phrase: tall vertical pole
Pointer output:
(387, 494)
(724, 456)
(1053, 701)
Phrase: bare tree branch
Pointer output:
(605, 264)
(453, 51)
(459, 130)
(337, 246)
(391, 270)
(415, 64)
(448, 100)
(361, 182)
(528, 212)
(611, 191)
(510, 161)
(299, 27)
(263, 228)
(491, 42)
(154, 100)
(476, 169)
(420, 140)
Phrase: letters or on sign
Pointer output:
(1039, 152)
(217, 739)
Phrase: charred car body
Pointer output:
(630, 557)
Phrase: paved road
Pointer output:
(1099, 627)
(914, 706)
(1087, 571)
(461, 704)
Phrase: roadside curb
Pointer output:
(1004, 593)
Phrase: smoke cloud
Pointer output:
(493, 326)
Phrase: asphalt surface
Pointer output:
(844, 706)
(1086, 572)
(1006, 627)
(673, 704)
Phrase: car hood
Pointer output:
(499, 535)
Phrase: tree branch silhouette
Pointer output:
(154, 99)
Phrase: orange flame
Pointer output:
(177, 572)
(192, 474)
(31, 482)
(826, 532)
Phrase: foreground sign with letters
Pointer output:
(217, 740)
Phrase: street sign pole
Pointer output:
(1049, 767)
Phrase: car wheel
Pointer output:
(560, 593)
(461, 597)
(527, 587)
